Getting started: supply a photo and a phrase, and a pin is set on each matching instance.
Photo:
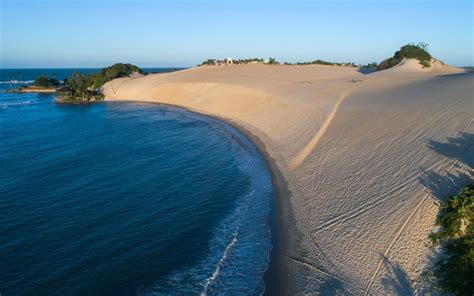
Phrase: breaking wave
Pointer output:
(239, 251)
(17, 82)
(17, 104)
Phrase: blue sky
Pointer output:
(96, 33)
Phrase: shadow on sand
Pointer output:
(459, 148)
(332, 286)
(443, 186)
(396, 281)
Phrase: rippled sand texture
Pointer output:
(366, 158)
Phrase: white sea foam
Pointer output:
(216, 272)
(17, 82)
(240, 243)
(17, 104)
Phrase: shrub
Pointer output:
(454, 272)
(317, 62)
(45, 81)
(409, 51)
(272, 61)
(209, 62)
(454, 211)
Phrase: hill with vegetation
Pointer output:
(46, 82)
(115, 71)
(410, 51)
(81, 88)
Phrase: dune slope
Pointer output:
(365, 157)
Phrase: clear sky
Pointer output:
(96, 33)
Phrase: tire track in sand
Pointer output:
(404, 225)
(298, 160)
(311, 266)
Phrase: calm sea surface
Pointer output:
(7, 76)
(127, 199)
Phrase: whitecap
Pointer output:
(216, 272)
(17, 104)
(17, 82)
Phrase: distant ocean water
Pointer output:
(10, 77)
(127, 199)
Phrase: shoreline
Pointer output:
(277, 277)
(33, 90)
(278, 274)
(327, 232)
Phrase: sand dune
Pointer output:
(365, 157)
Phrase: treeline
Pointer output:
(85, 88)
(213, 62)
(322, 62)
(46, 82)
(417, 51)
(270, 61)
(250, 61)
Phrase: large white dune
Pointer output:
(365, 158)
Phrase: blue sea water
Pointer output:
(10, 77)
(128, 199)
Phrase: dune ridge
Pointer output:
(365, 158)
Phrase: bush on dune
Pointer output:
(454, 271)
(115, 71)
(409, 51)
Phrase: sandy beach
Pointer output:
(35, 90)
(359, 161)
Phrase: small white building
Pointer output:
(228, 61)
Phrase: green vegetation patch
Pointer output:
(115, 71)
(86, 88)
(46, 82)
(316, 62)
(273, 61)
(454, 271)
(410, 51)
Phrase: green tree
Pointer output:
(272, 61)
(45, 81)
(87, 87)
(79, 85)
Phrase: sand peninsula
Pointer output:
(360, 160)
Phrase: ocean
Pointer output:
(12, 77)
(127, 199)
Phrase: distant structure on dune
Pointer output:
(231, 61)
